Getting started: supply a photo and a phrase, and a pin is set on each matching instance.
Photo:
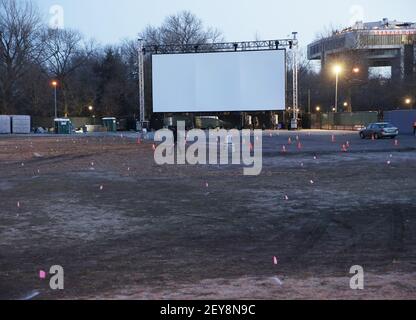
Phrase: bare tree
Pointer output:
(65, 52)
(183, 28)
(21, 42)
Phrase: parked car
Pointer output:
(379, 131)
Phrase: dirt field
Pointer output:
(124, 228)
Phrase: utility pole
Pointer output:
(141, 82)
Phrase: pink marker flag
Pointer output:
(42, 274)
(275, 261)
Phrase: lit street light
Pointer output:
(54, 84)
(90, 108)
(337, 70)
(408, 101)
(318, 109)
(356, 70)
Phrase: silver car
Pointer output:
(379, 131)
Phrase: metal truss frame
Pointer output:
(279, 44)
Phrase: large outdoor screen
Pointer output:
(219, 82)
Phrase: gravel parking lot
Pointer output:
(125, 228)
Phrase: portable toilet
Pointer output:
(5, 125)
(21, 124)
(63, 126)
(110, 124)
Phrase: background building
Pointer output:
(366, 45)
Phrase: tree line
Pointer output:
(106, 77)
(32, 55)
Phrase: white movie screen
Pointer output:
(219, 82)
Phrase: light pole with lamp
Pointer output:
(55, 85)
(91, 109)
(408, 102)
(337, 70)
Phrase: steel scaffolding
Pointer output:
(281, 44)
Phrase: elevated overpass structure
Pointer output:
(376, 44)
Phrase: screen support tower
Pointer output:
(141, 83)
(291, 44)
(295, 67)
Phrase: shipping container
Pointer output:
(5, 125)
(21, 124)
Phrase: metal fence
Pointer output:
(342, 121)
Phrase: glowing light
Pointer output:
(337, 69)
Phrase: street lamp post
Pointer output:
(337, 70)
(54, 85)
